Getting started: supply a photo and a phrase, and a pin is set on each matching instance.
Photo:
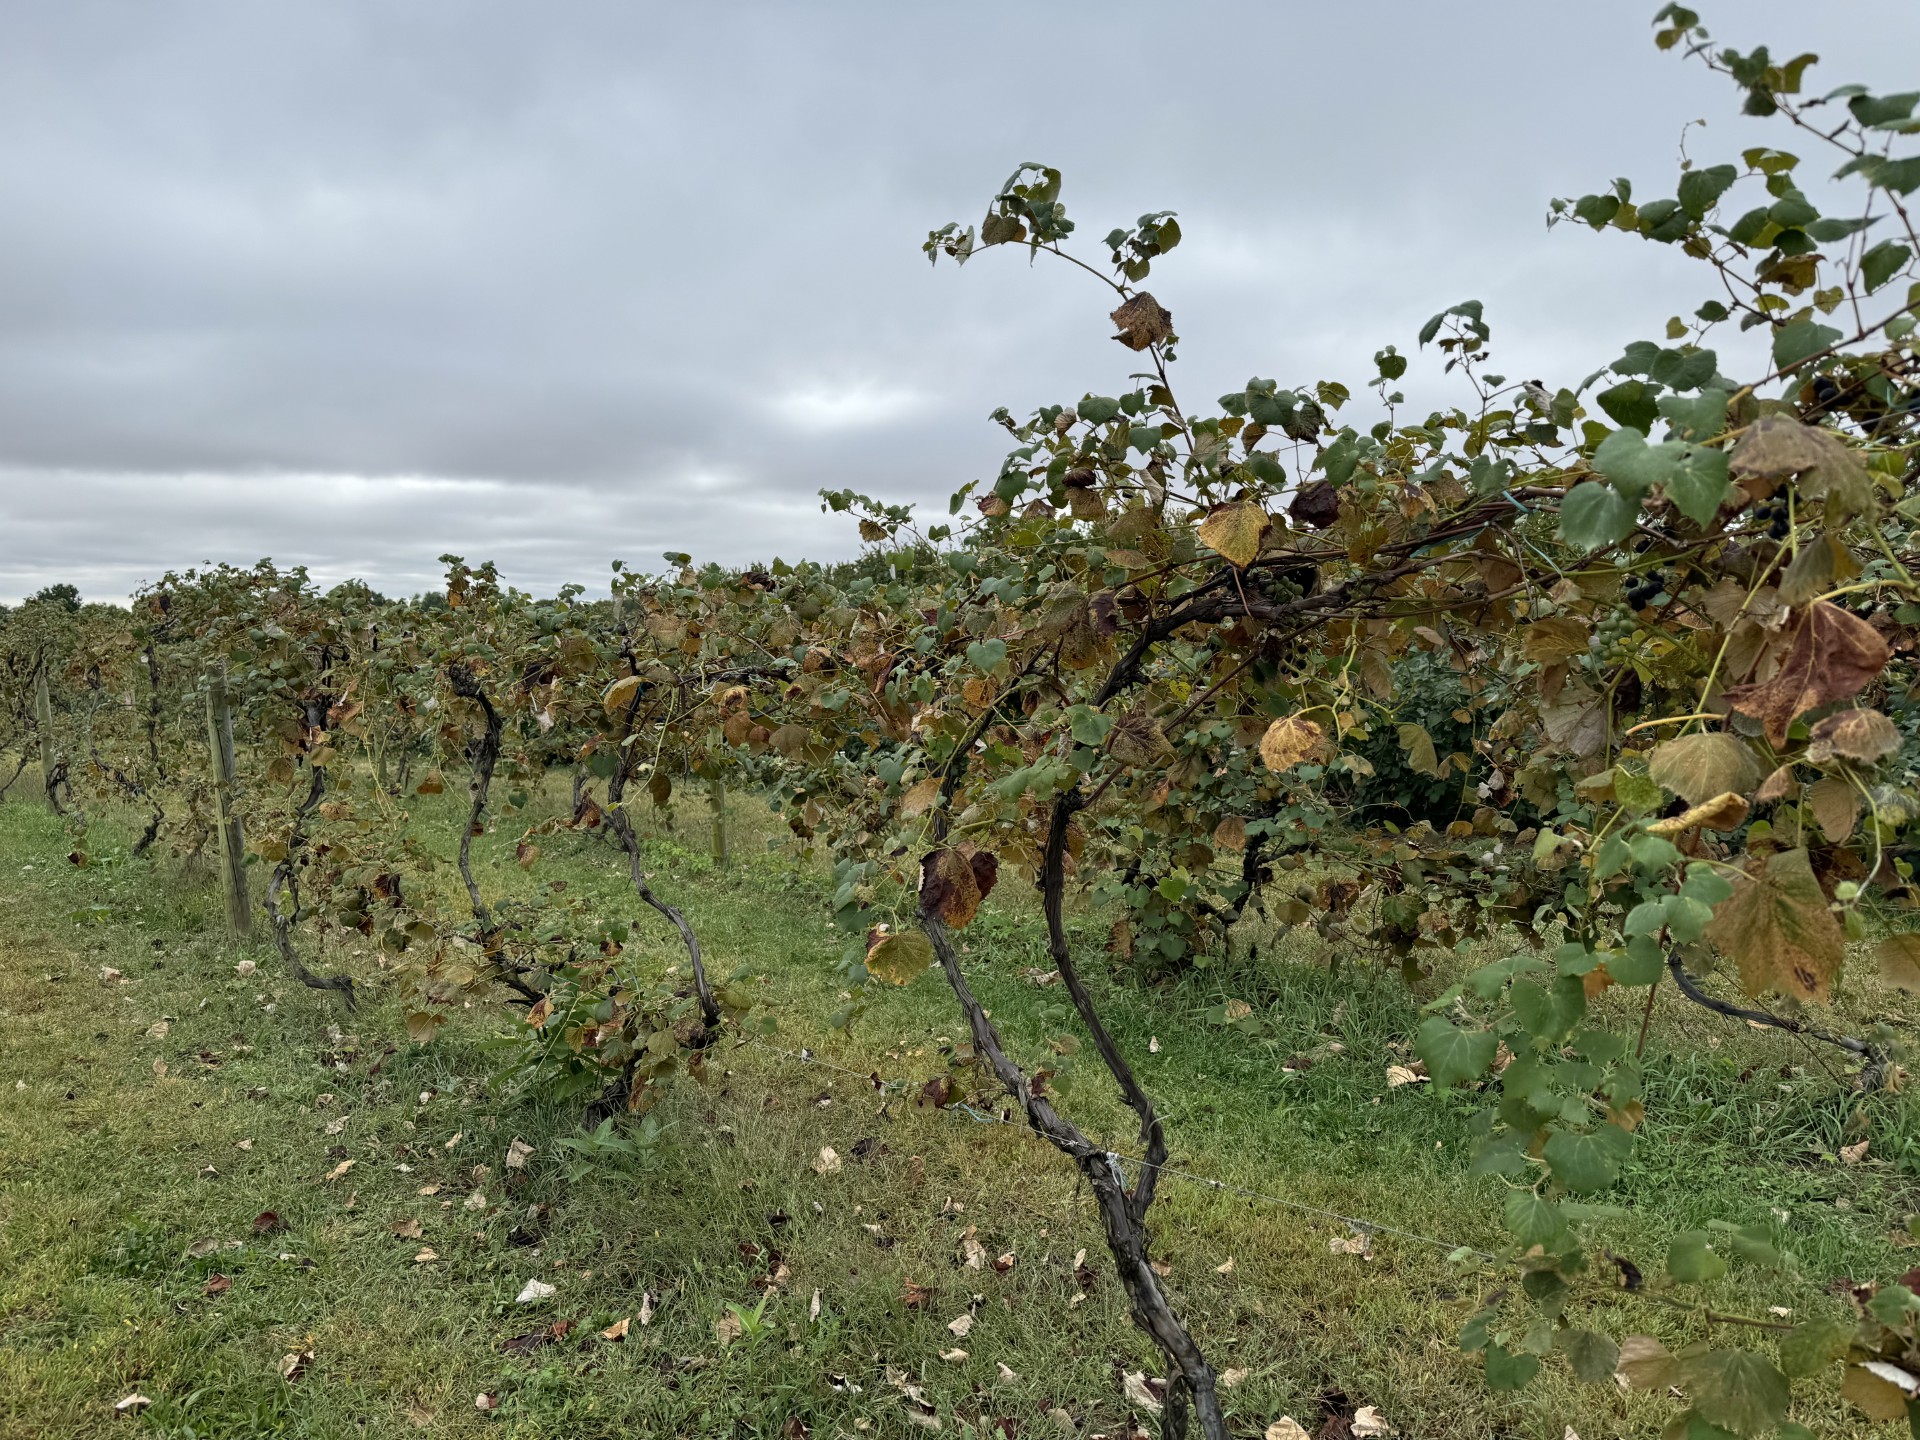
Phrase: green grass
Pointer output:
(112, 1174)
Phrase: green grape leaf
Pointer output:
(1452, 1054)
(1588, 1161)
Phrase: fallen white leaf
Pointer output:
(960, 1325)
(827, 1162)
(953, 1357)
(534, 1290)
(517, 1154)
(1367, 1420)
(1225, 1268)
(1285, 1428)
(1398, 1075)
(727, 1329)
(1134, 1386)
(245, 968)
(1006, 1375)
(132, 1404)
(813, 1307)
(1231, 1378)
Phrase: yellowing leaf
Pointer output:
(1418, 744)
(1699, 767)
(1236, 531)
(1778, 929)
(1555, 638)
(620, 694)
(898, 959)
(1899, 957)
(1290, 742)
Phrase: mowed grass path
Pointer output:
(148, 1117)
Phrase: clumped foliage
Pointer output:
(1621, 671)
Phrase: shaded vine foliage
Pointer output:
(1616, 672)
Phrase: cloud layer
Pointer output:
(352, 284)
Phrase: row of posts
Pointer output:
(233, 867)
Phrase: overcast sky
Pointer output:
(356, 282)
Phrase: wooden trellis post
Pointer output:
(233, 856)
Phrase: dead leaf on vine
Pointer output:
(1777, 927)
(1291, 741)
(1835, 805)
(950, 888)
(1861, 735)
(1780, 785)
(1142, 321)
(1832, 655)
(919, 797)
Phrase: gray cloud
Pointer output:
(351, 284)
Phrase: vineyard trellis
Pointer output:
(1513, 668)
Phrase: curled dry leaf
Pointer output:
(132, 1404)
(954, 1356)
(1285, 1428)
(1007, 1375)
(1231, 1378)
(1361, 1245)
(1398, 1075)
(960, 1325)
(727, 1328)
(406, 1229)
(486, 1401)
(1854, 1154)
(534, 1291)
(517, 1154)
(1368, 1421)
(334, 1174)
(827, 1162)
(813, 1307)
(1134, 1386)
(1722, 812)
(426, 1255)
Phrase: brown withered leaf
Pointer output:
(1831, 656)
(1774, 447)
(986, 871)
(1780, 785)
(1835, 805)
(1777, 928)
(948, 888)
(1142, 321)
(919, 797)
(1236, 531)
(1555, 638)
(1291, 741)
(1862, 735)
(1137, 739)
(1317, 506)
